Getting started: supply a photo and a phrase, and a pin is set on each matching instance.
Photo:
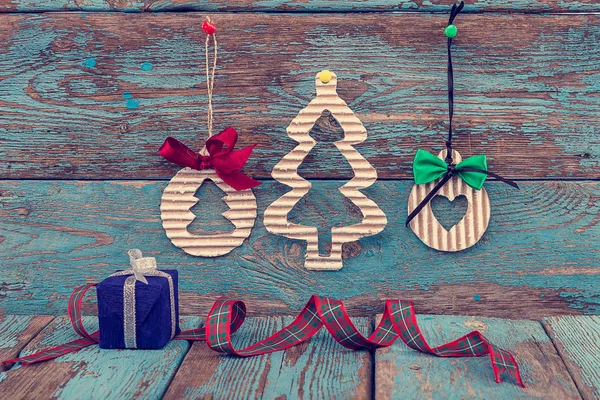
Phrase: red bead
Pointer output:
(209, 27)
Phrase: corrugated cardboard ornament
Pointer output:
(286, 172)
(450, 176)
(218, 162)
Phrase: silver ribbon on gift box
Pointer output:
(141, 267)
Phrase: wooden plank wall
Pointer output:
(80, 179)
(521, 6)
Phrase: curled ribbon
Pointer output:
(428, 168)
(226, 316)
(221, 157)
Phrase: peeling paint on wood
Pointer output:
(95, 372)
(528, 90)
(319, 368)
(538, 257)
(578, 342)
(401, 372)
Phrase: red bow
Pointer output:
(226, 162)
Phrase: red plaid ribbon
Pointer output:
(226, 316)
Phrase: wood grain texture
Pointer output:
(467, 231)
(317, 369)
(286, 171)
(536, 6)
(578, 342)
(537, 258)
(401, 372)
(93, 372)
(525, 87)
(177, 200)
(16, 331)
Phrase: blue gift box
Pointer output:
(153, 327)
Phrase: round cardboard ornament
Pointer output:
(467, 231)
(179, 196)
(448, 175)
(218, 162)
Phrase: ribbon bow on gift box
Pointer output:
(140, 266)
(221, 157)
(428, 168)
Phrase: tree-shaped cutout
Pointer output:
(325, 156)
(286, 171)
(179, 197)
(210, 220)
(324, 205)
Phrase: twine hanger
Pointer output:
(210, 79)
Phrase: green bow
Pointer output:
(427, 168)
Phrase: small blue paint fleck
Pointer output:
(127, 95)
(146, 66)
(132, 104)
(477, 297)
(83, 15)
(89, 62)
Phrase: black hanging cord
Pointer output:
(452, 170)
(456, 9)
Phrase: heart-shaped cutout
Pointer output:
(449, 213)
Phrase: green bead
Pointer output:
(451, 31)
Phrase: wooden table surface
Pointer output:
(90, 89)
(558, 359)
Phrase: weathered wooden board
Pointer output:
(297, 5)
(318, 369)
(114, 374)
(401, 372)
(94, 97)
(16, 331)
(578, 342)
(538, 257)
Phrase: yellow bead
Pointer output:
(325, 76)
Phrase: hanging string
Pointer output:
(453, 13)
(451, 168)
(209, 28)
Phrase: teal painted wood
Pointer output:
(16, 331)
(298, 6)
(538, 257)
(578, 342)
(93, 372)
(319, 369)
(525, 90)
(402, 373)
